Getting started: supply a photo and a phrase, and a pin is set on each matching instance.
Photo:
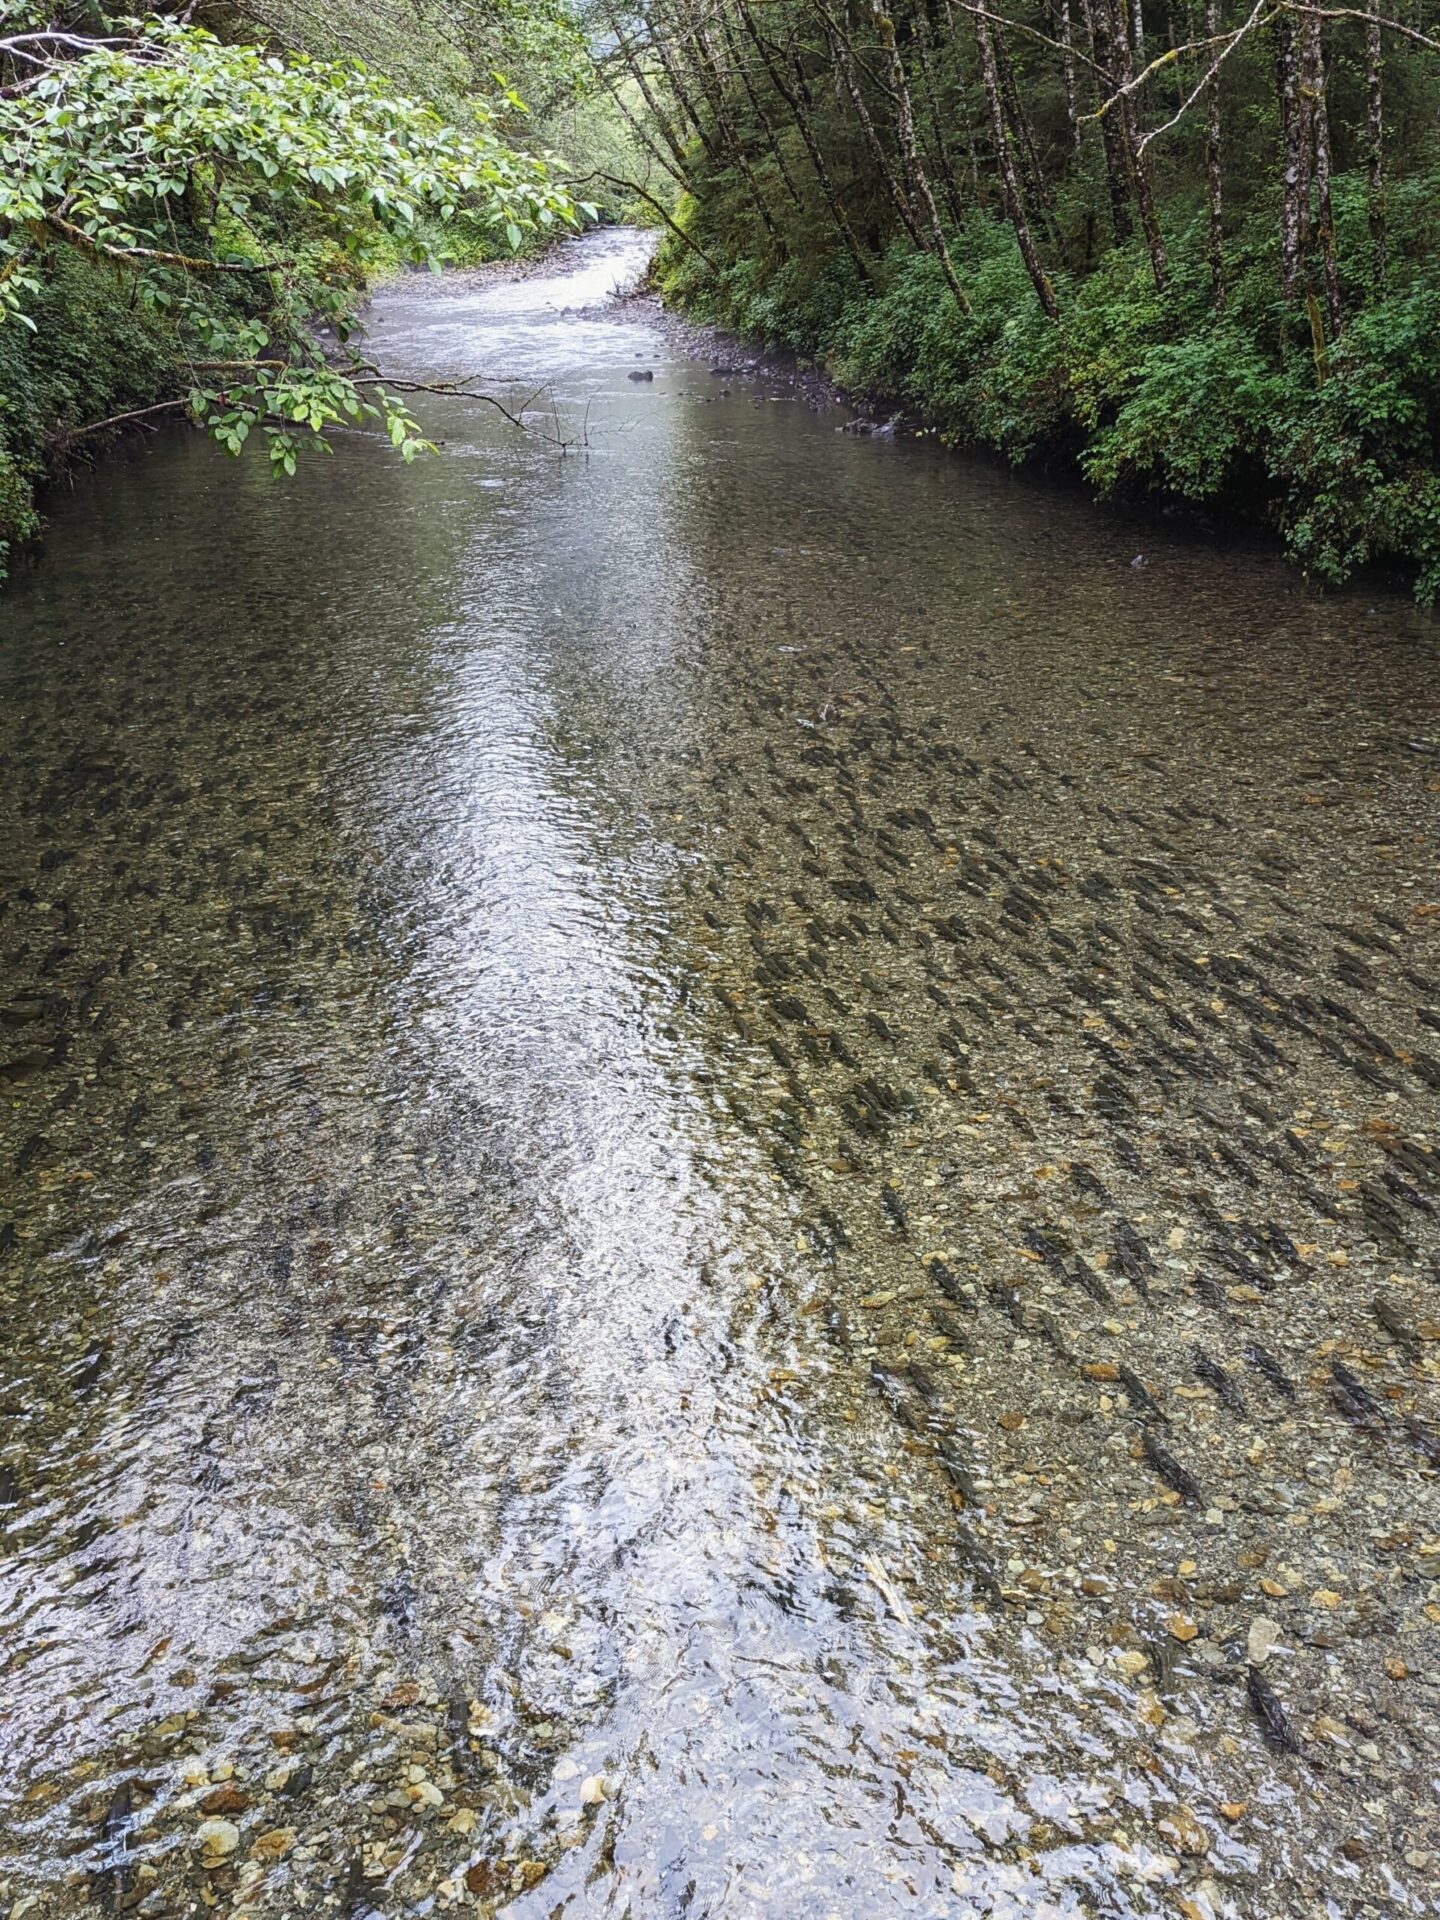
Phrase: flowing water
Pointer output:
(720, 1180)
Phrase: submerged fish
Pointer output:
(1270, 1370)
(1218, 1380)
(1179, 1479)
(1274, 1721)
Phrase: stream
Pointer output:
(719, 1174)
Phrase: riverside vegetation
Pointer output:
(1190, 248)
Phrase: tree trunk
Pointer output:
(937, 128)
(1032, 174)
(1067, 57)
(1375, 139)
(1314, 65)
(910, 152)
(1215, 232)
(1009, 183)
(848, 81)
(636, 67)
(705, 70)
(1097, 27)
(1136, 164)
(1295, 186)
(795, 100)
(757, 107)
(661, 43)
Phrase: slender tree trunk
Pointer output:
(636, 66)
(1097, 26)
(910, 152)
(1295, 186)
(642, 135)
(705, 70)
(1136, 163)
(793, 94)
(1009, 182)
(1375, 139)
(1067, 58)
(848, 81)
(1137, 30)
(660, 40)
(1032, 174)
(1314, 66)
(937, 128)
(1214, 206)
(762, 118)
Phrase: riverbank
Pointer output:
(1145, 401)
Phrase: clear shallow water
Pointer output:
(571, 1015)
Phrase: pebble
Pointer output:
(217, 1837)
(1261, 1641)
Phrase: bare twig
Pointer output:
(633, 186)
(119, 419)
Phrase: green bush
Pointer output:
(1338, 451)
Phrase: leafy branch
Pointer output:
(172, 157)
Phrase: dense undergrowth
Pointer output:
(1338, 451)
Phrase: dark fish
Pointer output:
(951, 1287)
(1007, 1301)
(950, 1329)
(1048, 1248)
(1390, 1318)
(1086, 1277)
(1140, 1396)
(895, 1207)
(977, 1564)
(1280, 1244)
(1274, 1721)
(1209, 1290)
(1423, 1438)
(1353, 1397)
(958, 1465)
(1176, 1477)
(30, 1151)
(891, 1390)
(92, 1366)
(1133, 1256)
(1270, 1370)
(1054, 1334)
(837, 1329)
(1218, 1380)
(112, 1880)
